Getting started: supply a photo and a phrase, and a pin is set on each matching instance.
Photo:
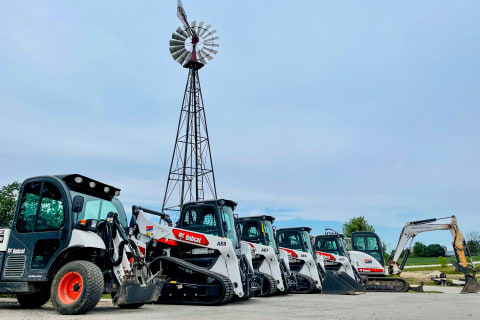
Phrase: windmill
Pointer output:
(191, 176)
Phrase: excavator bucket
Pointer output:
(133, 291)
(471, 285)
(338, 282)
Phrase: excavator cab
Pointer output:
(369, 243)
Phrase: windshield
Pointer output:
(308, 243)
(250, 231)
(229, 225)
(290, 240)
(96, 208)
(328, 245)
(268, 229)
(368, 244)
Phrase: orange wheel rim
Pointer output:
(70, 288)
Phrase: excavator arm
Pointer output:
(413, 228)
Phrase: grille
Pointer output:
(14, 267)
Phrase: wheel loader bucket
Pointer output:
(338, 282)
(132, 291)
(471, 285)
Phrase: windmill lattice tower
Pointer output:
(191, 176)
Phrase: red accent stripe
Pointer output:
(326, 255)
(370, 270)
(168, 241)
(292, 253)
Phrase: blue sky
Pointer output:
(317, 110)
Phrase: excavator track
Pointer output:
(269, 286)
(384, 284)
(187, 283)
(305, 284)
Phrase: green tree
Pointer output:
(356, 224)
(419, 249)
(473, 243)
(8, 201)
(435, 250)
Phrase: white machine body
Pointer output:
(227, 263)
(270, 264)
(309, 267)
(366, 264)
(4, 237)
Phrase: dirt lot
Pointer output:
(381, 306)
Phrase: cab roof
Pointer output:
(83, 184)
(308, 229)
(262, 217)
(217, 202)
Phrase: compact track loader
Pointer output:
(268, 260)
(201, 258)
(308, 271)
(67, 243)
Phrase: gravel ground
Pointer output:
(381, 306)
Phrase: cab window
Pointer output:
(41, 208)
(290, 240)
(51, 213)
(28, 207)
(201, 219)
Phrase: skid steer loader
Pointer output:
(67, 243)
(268, 259)
(201, 257)
(308, 272)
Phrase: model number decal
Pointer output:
(222, 243)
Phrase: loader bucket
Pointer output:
(132, 291)
(471, 285)
(338, 282)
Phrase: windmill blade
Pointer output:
(177, 54)
(205, 30)
(177, 36)
(200, 57)
(211, 39)
(206, 55)
(211, 44)
(183, 57)
(182, 32)
(176, 42)
(174, 49)
(200, 26)
(210, 50)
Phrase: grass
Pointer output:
(446, 270)
(418, 261)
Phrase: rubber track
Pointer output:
(272, 285)
(388, 285)
(312, 288)
(227, 284)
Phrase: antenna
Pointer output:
(191, 176)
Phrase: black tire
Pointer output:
(33, 300)
(91, 289)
